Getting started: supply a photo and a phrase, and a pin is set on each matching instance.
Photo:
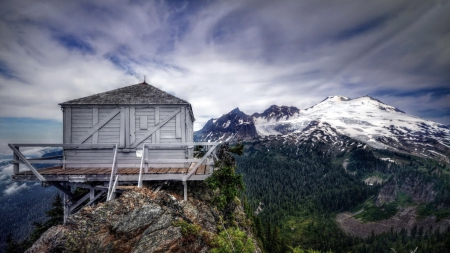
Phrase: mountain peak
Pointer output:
(277, 112)
(337, 98)
(235, 110)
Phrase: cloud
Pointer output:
(6, 172)
(225, 54)
(15, 187)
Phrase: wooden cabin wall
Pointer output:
(125, 128)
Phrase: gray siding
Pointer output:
(82, 121)
(110, 132)
(125, 128)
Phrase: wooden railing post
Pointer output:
(113, 171)
(142, 165)
(185, 190)
(145, 156)
(16, 165)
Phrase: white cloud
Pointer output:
(15, 187)
(225, 54)
(6, 172)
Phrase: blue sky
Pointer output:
(220, 55)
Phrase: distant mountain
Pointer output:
(335, 119)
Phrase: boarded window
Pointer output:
(143, 122)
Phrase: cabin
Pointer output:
(119, 138)
(129, 116)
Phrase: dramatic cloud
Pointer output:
(225, 54)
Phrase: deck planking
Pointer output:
(202, 170)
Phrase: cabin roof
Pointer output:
(141, 93)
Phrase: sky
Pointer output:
(219, 55)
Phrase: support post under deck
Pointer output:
(185, 190)
(66, 204)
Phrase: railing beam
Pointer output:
(16, 165)
(113, 170)
(25, 161)
(193, 170)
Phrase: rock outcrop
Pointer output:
(140, 221)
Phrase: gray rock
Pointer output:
(160, 240)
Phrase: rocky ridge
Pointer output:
(141, 221)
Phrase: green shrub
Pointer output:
(232, 240)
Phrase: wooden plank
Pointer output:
(143, 122)
(24, 160)
(67, 125)
(153, 170)
(158, 132)
(182, 170)
(154, 129)
(173, 160)
(163, 170)
(183, 124)
(200, 170)
(95, 122)
(173, 170)
(99, 125)
(127, 127)
(154, 124)
(132, 125)
(192, 171)
(83, 110)
(122, 128)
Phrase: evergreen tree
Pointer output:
(55, 217)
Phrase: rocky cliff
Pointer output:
(144, 221)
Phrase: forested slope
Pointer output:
(301, 188)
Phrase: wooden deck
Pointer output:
(103, 174)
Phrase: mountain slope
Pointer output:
(364, 119)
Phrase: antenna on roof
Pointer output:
(144, 80)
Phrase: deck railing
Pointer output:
(19, 157)
(194, 158)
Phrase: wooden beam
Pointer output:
(95, 122)
(132, 125)
(145, 156)
(68, 146)
(132, 178)
(122, 131)
(178, 126)
(67, 125)
(173, 160)
(16, 165)
(79, 202)
(127, 127)
(113, 171)
(62, 188)
(112, 195)
(25, 161)
(185, 190)
(155, 128)
(158, 132)
(95, 198)
(183, 124)
(193, 170)
(99, 125)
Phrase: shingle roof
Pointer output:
(142, 93)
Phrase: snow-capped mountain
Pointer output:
(365, 119)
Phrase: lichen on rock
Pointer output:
(139, 221)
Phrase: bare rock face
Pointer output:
(139, 221)
(419, 190)
(386, 195)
